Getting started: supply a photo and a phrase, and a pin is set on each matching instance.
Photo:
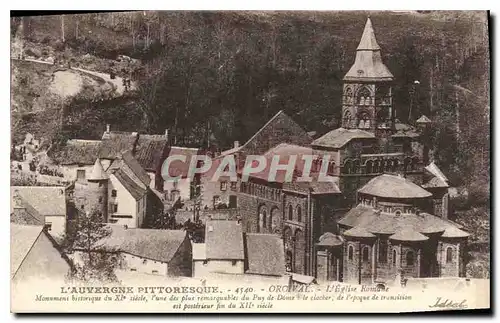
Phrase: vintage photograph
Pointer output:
(250, 161)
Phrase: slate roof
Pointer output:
(265, 254)
(199, 251)
(317, 188)
(75, 151)
(329, 239)
(358, 232)
(408, 234)
(224, 240)
(116, 142)
(158, 245)
(453, 232)
(149, 151)
(368, 64)
(439, 179)
(22, 238)
(386, 223)
(130, 166)
(130, 185)
(46, 200)
(340, 137)
(393, 186)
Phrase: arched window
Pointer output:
(347, 119)
(364, 96)
(388, 165)
(290, 212)
(299, 213)
(355, 167)
(348, 96)
(449, 254)
(366, 252)
(350, 252)
(331, 168)
(394, 257)
(382, 250)
(347, 167)
(397, 212)
(410, 258)
(364, 120)
(262, 219)
(275, 221)
(369, 167)
(395, 165)
(289, 262)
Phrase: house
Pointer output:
(121, 194)
(224, 249)
(151, 251)
(279, 129)
(75, 158)
(36, 256)
(40, 205)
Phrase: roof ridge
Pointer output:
(265, 125)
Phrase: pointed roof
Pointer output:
(368, 40)
(98, 173)
(424, 119)
(368, 65)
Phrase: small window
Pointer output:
(410, 258)
(394, 257)
(113, 193)
(205, 262)
(366, 252)
(80, 174)
(100, 184)
(398, 213)
(145, 261)
(233, 186)
(154, 272)
(299, 213)
(48, 225)
(382, 251)
(100, 199)
(223, 186)
(449, 255)
(234, 262)
(82, 206)
(133, 269)
(290, 212)
(350, 253)
(115, 207)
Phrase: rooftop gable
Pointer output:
(224, 240)
(46, 200)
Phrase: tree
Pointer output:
(95, 262)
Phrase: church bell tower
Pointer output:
(367, 94)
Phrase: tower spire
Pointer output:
(368, 40)
(368, 65)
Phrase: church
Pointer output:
(384, 214)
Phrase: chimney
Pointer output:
(236, 144)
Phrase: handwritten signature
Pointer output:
(448, 303)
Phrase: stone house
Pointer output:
(40, 205)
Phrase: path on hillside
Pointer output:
(117, 81)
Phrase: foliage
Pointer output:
(84, 237)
